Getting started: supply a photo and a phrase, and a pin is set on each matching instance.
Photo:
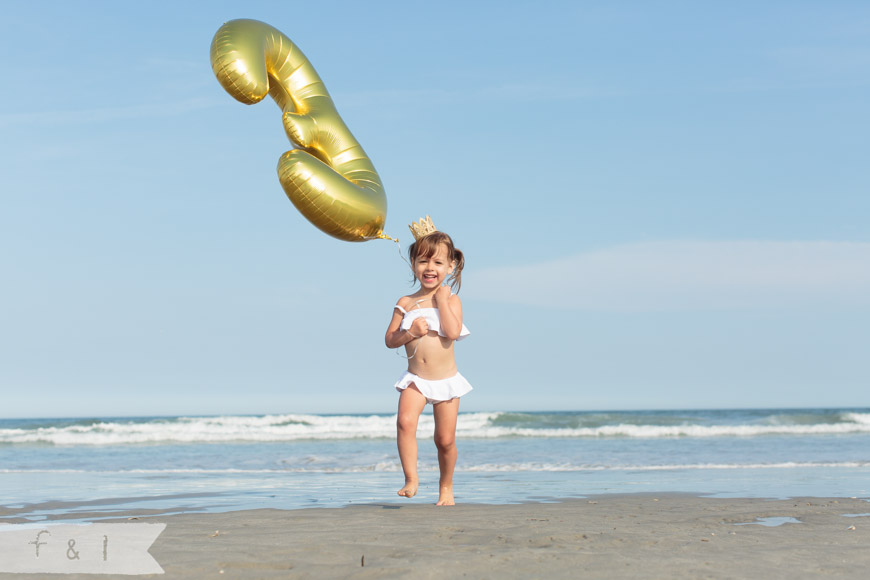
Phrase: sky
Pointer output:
(662, 205)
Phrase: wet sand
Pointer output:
(624, 536)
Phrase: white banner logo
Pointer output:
(79, 549)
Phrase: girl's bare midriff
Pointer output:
(434, 357)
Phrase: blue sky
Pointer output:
(662, 204)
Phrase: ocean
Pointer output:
(106, 467)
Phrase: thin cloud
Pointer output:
(104, 114)
(689, 275)
(826, 60)
(437, 96)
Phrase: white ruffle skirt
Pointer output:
(436, 391)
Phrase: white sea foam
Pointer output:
(860, 418)
(660, 431)
(209, 430)
(394, 466)
(296, 427)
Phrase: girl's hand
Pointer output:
(442, 297)
(419, 328)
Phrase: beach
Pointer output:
(608, 536)
(770, 493)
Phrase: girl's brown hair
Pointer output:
(426, 247)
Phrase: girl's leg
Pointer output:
(411, 404)
(445, 414)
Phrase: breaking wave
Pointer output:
(297, 427)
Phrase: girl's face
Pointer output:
(433, 271)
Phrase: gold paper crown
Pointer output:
(422, 228)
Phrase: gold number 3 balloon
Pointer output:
(329, 179)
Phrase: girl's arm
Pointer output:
(450, 310)
(395, 337)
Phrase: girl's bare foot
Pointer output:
(410, 489)
(446, 496)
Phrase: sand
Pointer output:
(624, 536)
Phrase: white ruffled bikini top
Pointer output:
(432, 317)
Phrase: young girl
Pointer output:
(427, 323)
